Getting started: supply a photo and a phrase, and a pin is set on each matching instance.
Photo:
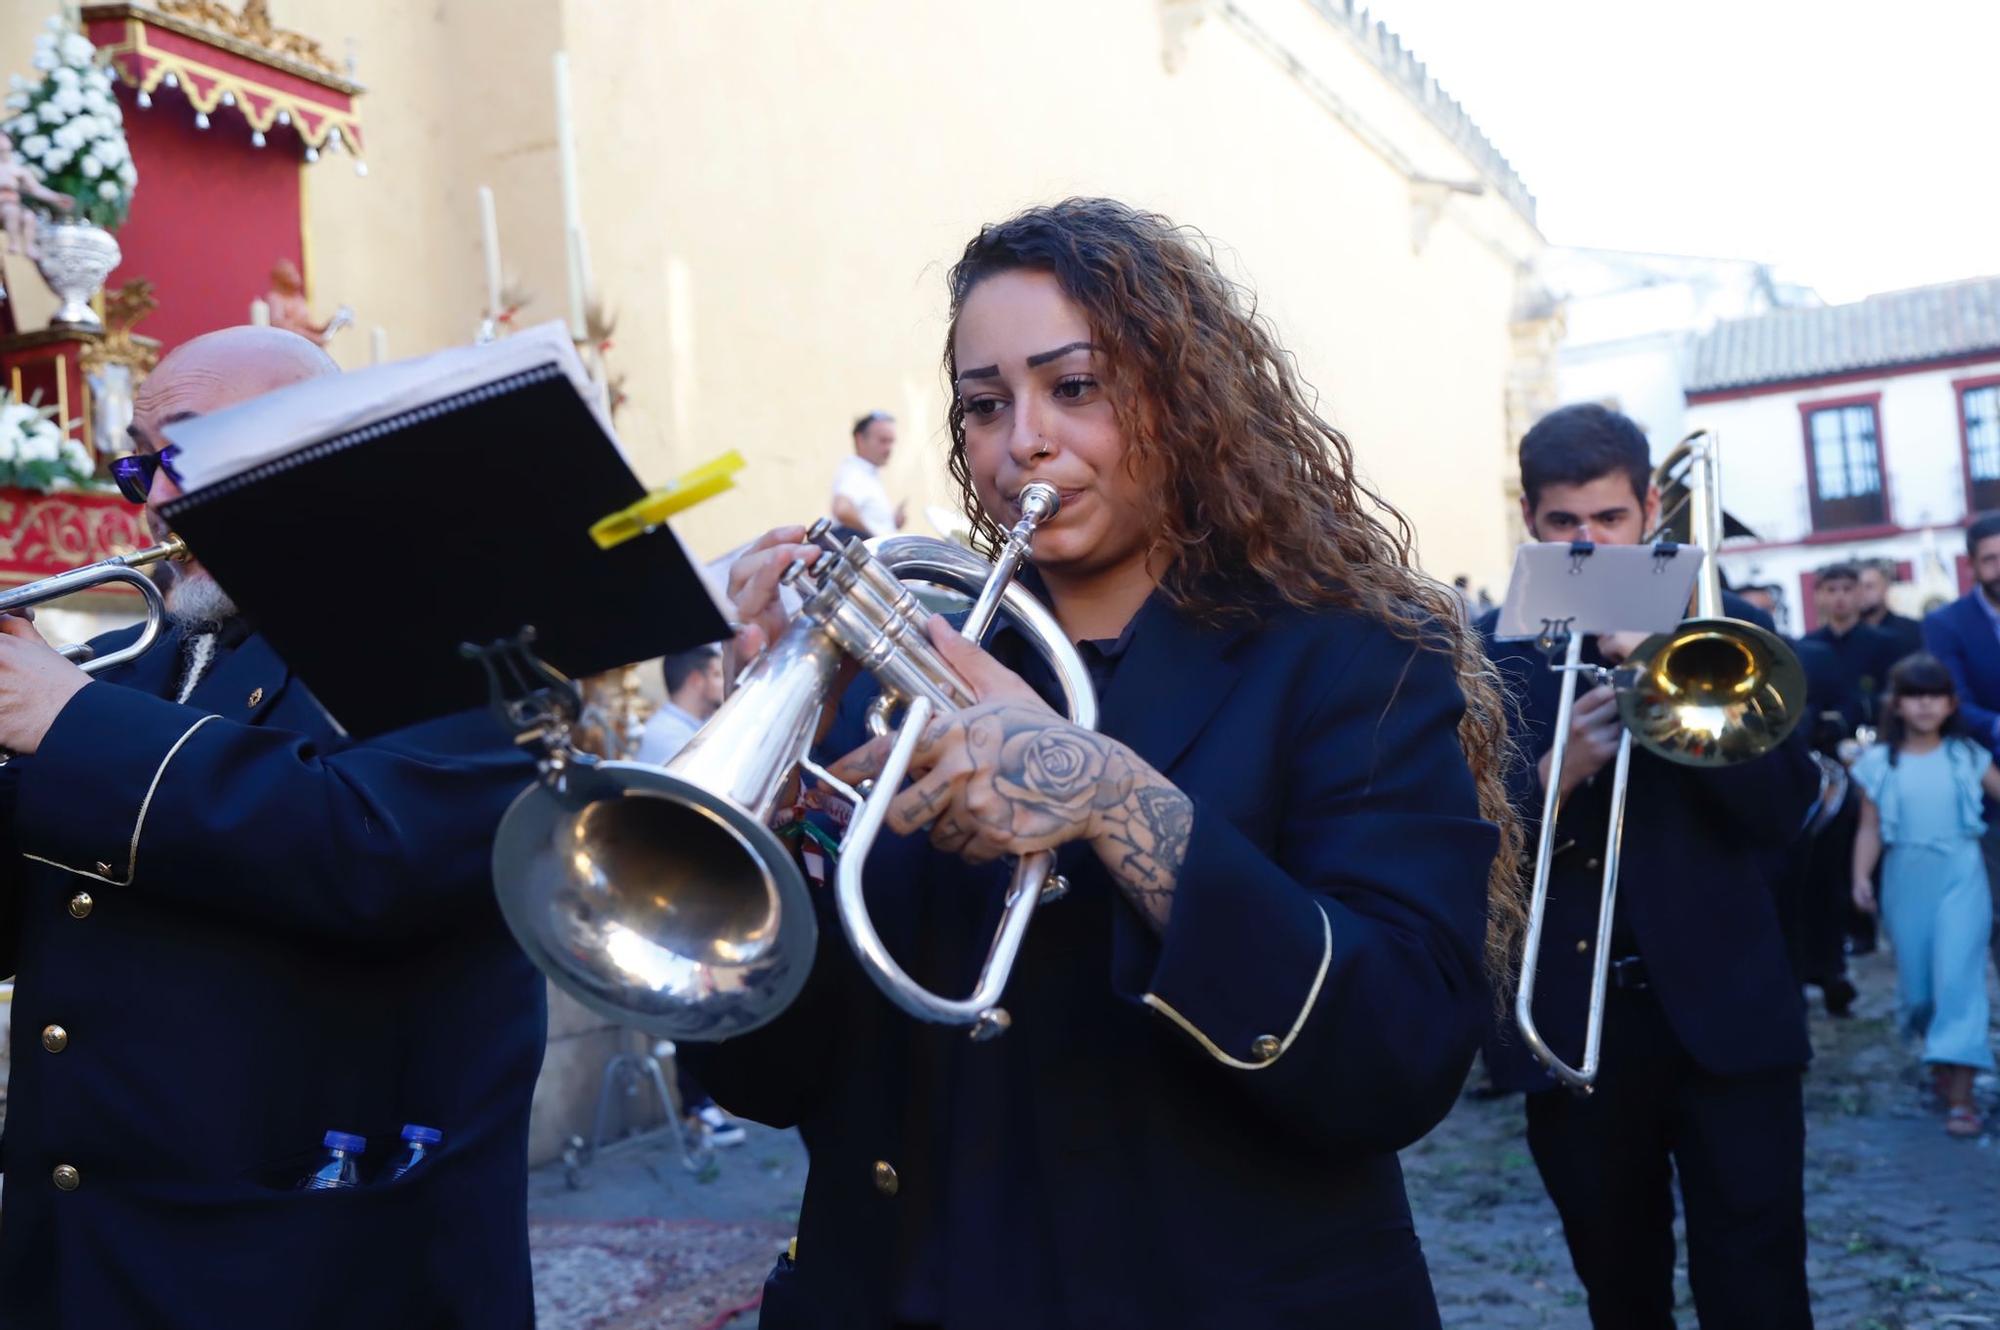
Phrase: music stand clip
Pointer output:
(537, 703)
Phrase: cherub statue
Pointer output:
(287, 301)
(19, 220)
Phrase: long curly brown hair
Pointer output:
(1257, 494)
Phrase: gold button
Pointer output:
(1582, 945)
(1265, 1047)
(67, 1178)
(55, 1038)
(79, 905)
(256, 696)
(886, 1180)
(103, 869)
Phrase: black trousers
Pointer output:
(1738, 1145)
(1820, 904)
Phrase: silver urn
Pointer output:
(74, 258)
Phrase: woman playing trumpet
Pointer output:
(1269, 974)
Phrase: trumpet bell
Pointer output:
(1712, 693)
(656, 902)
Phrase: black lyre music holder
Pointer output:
(1553, 640)
(533, 699)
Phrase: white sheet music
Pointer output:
(1610, 589)
(215, 447)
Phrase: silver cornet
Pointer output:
(662, 898)
(119, 568)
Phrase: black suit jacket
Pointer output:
(253, 930)
(1697, 889)
(1332, 899)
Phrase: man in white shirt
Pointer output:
(860, 501)
(694, 691)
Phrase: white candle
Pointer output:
(579, 263)
(260, 313)
(378, 345)
(489, 236)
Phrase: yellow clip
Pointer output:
(704, 482)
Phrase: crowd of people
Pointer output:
(1294, 847)
(1910, 845)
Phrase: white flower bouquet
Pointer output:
(35, 454)
(68, 128)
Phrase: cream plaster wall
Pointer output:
(775, 224)
(772, 192)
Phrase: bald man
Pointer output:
(232, 931)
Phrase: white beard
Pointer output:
(197, 601)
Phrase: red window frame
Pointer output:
(1856, 517)
(1959, 389)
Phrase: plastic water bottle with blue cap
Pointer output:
(340, 1167)
(417, 1141)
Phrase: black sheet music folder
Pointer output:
(366, 559)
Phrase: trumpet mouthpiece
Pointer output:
(1040, 501)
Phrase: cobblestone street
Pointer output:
(1904, 1222)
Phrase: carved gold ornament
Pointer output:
(252, 26)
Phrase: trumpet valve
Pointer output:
(820, 533)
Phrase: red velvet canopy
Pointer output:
(223, 113)
(214, 211)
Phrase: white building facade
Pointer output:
(1861, 431)
(1630, 320)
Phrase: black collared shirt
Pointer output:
(1908, 633)
(1101, 655)
(985, 1098)
(1866, 653)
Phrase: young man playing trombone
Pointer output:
(1704, 1033)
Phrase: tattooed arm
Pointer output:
(1143, 840)
(1010, 776)
(1006, 778)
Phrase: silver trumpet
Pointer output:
(660, 896)
(119, 568)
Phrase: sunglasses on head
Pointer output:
(134, 472)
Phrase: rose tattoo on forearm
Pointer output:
(1005, 779)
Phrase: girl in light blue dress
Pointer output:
(1923, 783)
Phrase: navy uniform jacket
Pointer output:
(1697, 889)
(1190, 1129)
(1961, 635)
(252, 930)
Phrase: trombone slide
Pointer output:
(1582, 1077)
